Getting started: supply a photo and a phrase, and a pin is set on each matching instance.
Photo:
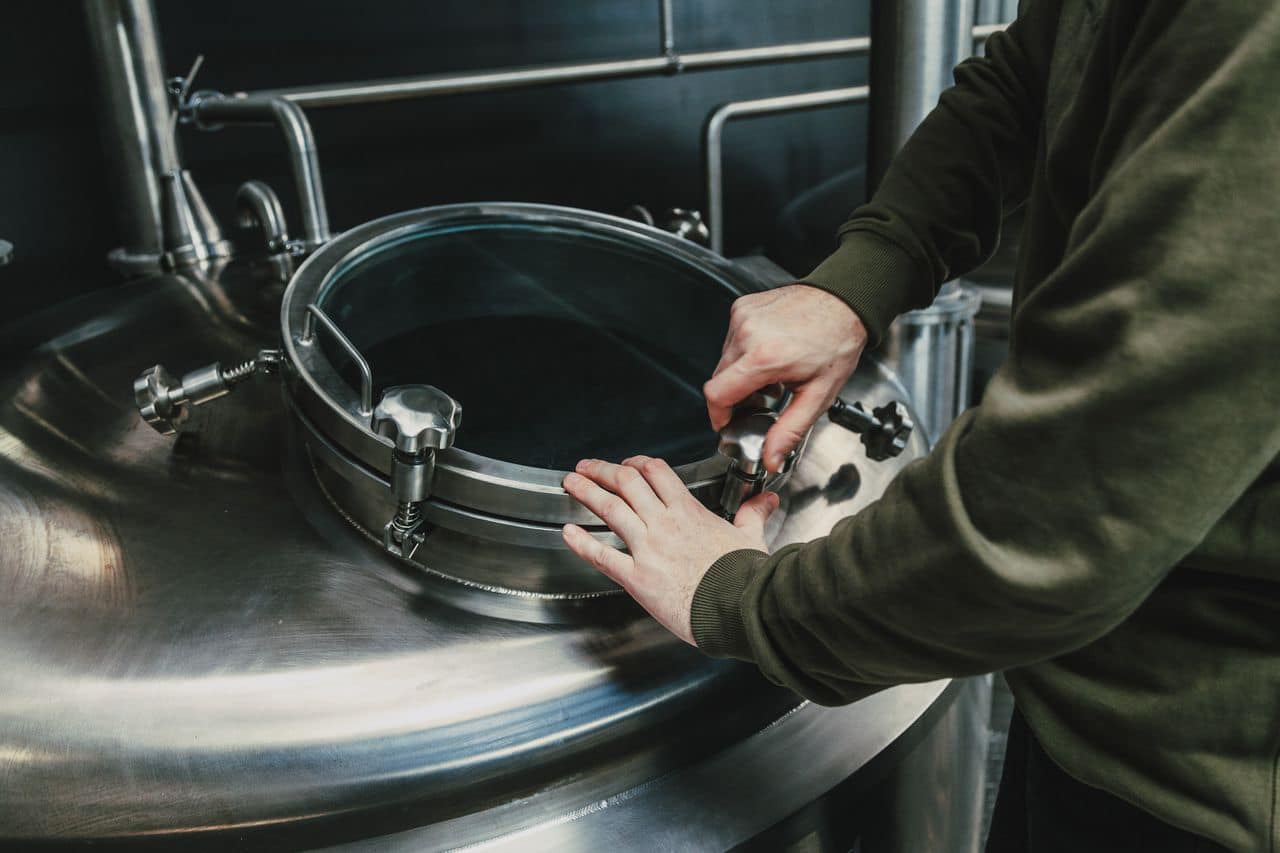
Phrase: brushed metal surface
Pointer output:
(193, 645)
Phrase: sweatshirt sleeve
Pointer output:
(937, 212)
(1140, 402)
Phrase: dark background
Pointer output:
(602, 145)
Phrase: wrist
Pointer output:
(715, 615)
(874, 278)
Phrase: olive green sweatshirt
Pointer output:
(1105, 526)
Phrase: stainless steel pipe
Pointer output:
(214, 109)
(135, 112)
(666, 26)
(377, 91)
(918, 43)
(163, 218)
(714, 145)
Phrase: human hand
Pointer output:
(672, 538)
(805, 338)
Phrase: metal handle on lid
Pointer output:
(314, 314)
(885, 432)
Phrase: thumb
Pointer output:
(753, 514)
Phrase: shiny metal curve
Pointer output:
(194, 649)
(463, 478)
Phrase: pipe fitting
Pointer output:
(211, 110)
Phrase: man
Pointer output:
(1105, 526)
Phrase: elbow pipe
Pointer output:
(259, 206)
(213, 109)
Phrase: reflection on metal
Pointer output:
(937, 790)
(742, 443)
(916, 44)
(332, 95)
(484, 504)
(196, 609)
(686, 224)
(165, 403)
(419, 420)
(714, 147)
(258, 206)
(191, 235)
(6, 252)
(885, 432)
(212, 109)
(931, 350)
(135, 112)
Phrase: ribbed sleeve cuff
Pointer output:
(872, 275)
(716, 617)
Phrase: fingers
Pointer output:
(624, 481)
(610, 561)
(611, 509)
(808, 402)
(753, 514)
(732, 385)
(665, 483)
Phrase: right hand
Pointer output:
(805, 338)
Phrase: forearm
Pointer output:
(1138, 405)
(938, 209)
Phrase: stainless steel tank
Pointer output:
(218, 639)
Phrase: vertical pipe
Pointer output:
(667, 27)
(914, 46)
(135, 110)
(304, 160)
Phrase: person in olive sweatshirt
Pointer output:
(1105, 526)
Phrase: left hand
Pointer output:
(672, 538)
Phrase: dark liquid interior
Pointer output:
(547, 392)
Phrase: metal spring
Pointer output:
(407, 516)
(240, 372)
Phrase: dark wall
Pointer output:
(601, 145)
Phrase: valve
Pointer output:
(419, 419)
(742, 443)
(165, 403)
(885, 430)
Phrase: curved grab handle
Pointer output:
(314, 314)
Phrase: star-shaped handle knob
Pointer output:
(417, 418)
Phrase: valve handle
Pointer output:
(420, 419)
(166, 402)
(885, 430)
(417, 418)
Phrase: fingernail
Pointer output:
(570, 479)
